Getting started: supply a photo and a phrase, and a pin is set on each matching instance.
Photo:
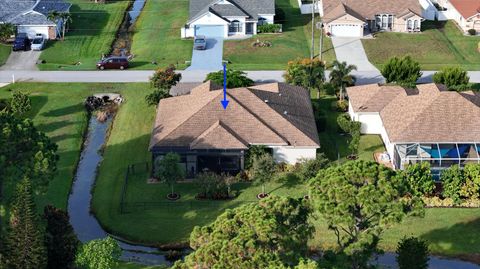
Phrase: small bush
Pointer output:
(471, 186)
(269, 28)
(235, 78)
(412, 253)
(309, 168)
(452, 179)
(213, 186)
(342, 105)
(454, 78)
(328, 89)
(253, 152)
(402, 71)
(165, 78)
(472, 31)
(154, 98)
(343, 121)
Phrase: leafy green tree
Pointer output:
(452, 77)
(309, 168)
(170, 170)
(66, 19)
(402, 71)
(154, 97)
(263, 170)
(253, 152)
(25, 151)
(419, 178)
(412, 253)
(6, 31)
(99, 254)
(20, 103)
(308, 73)
(452, 181)
(60, 239)
(471, 187)
(26, 248)
(341, 77)
(359, 200)
(165, 78)
(235, 78)
(272, 233)
(344, 122)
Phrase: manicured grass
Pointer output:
(439, 45)
(157, 35)
(91, 35)
(4, 53)
(58, 111)
(132, 265)
(294, 42)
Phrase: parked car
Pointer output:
(22, 42)
(38, 43)
(200, 42)
(114, 62)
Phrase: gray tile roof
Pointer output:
(247, 8)
(30, 12)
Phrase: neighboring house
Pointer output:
(354, 18)
(30, 16)
(206, 136)
(465, 12)
(428, 123)
(224, 18)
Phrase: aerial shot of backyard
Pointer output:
(239, 134)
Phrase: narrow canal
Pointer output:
(123, 41)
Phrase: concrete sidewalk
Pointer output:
(350, 50)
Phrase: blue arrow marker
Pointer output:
(224, 101)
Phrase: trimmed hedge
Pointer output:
(269, 28)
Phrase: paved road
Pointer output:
(210, 58)
(350, 50)
(22, 60)
(363, 77)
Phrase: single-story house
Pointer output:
(465, 12)
(278, 116)
(224, 18)
(354, 18)
(427, 124)
(31, 16)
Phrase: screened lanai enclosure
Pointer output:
(439, 155)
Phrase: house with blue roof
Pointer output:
(31, 16)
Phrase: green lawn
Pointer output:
(132, 265)
(294, 42)
(57, 110)
(91, 34)
(4, 53)
(439, 45)
(158, 39)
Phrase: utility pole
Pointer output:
(312, 51)
(321, 37)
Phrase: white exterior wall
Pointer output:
(207, 19)
(371, 123)
(31, 31)
(292, 155)
(429, 11)
(307, 8)
(269, 17)
(242, 20)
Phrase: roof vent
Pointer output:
(285, 112)
(279, 94)
(266, 100)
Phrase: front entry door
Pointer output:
(249, 28)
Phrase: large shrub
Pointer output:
(20, 103)
(99, 254)
(154, 97)
(455, 78)
(253, 152)
(402, 71)
(165, 78)
(213, 186)
(472, 31)
(412, 253)
(471, 187)
(235, 78)
(419, 178)
(309, 168)
(452, 179)
(344, 122)
(307, 73)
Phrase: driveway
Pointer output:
(209, 59)
(350, 50)
(22, 60)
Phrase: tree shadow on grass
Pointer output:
(38, 101)
(462, 237)
(64, 111)
(52, 126)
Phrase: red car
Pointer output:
(113, 63)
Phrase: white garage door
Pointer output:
(346, 30)
(209, 30)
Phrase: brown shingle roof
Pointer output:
(198, 120)
(467, 8)
(431, 114)
(367, 9)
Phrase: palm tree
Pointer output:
(341, 78)
(66, 19)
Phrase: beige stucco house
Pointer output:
(355, 18)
